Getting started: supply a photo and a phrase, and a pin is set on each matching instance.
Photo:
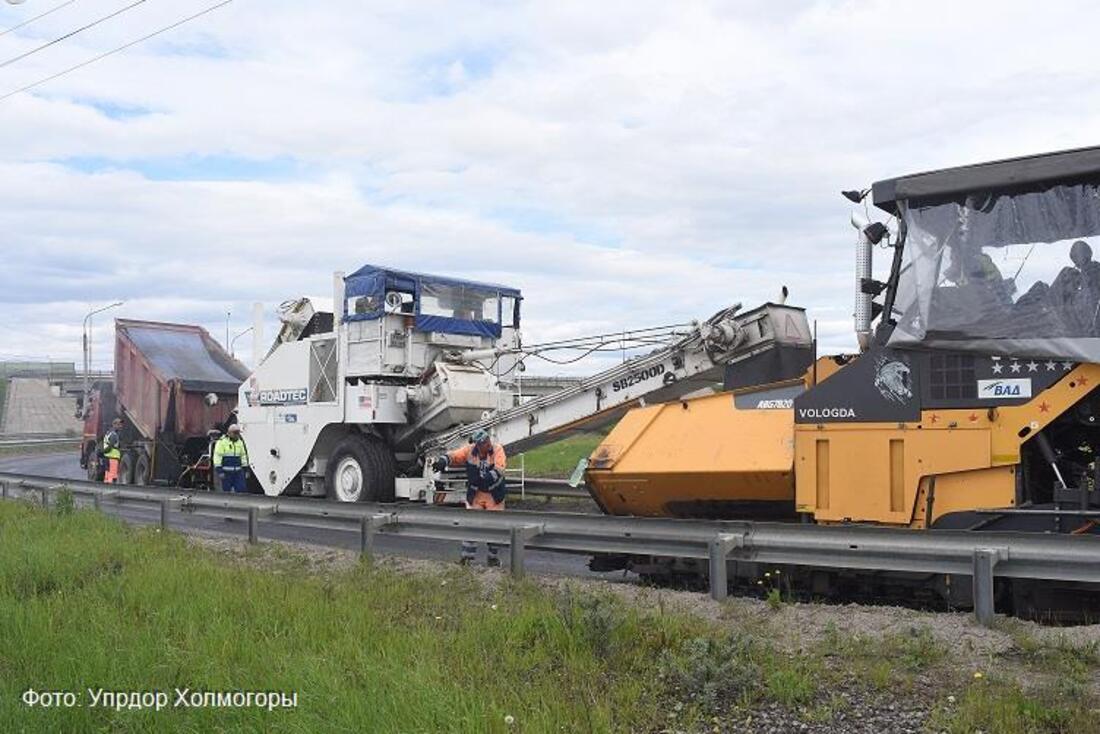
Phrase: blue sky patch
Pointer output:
(195, 167)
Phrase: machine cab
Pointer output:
(1001, 265)
(400, 323)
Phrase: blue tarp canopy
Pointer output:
(440, 304)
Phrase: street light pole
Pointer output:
(87, 340)
(233, 341)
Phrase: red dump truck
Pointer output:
(175, 389)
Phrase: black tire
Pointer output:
(360, 469)
(91, 463)
(143, 469)
(126, 468)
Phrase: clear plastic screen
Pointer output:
(458, 302)
(1013, 274)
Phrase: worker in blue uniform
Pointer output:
(231, 460)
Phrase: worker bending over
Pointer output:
(485, 462)
(112, 451)
(231, 460)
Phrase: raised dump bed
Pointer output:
(174, 385)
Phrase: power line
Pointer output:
(70, 34)
(114, 51)
(40, 15)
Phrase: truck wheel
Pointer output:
(356, 472)
(126, 468)
(142, 467)
(91, 463)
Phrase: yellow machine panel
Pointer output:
(854, 472)
(701, 457)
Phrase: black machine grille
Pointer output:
(952, 377)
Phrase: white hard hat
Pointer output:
(234, 428)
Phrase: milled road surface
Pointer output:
(67, 466)
(33, 408)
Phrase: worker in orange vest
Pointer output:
(112, 451)
(485, 462)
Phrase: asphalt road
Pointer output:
(67, 466)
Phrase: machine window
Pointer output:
(459, 302)
(1009, 273)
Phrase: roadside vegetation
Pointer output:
(88, 602)
(558, 459)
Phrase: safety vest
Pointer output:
(230, 455)
(110, 445)
(468, 454)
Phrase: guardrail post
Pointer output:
(520, 535)
(45, 497)
(3, 490)
(368, 526)
(253, 522)
(97, 501)
(164, 514)
(985, 559)
(720, 548)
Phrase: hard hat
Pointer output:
(480, 436)
(233, 429)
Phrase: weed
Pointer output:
(713, 672)
(64, 504)
(790, 685)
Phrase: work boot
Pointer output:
(493, 562)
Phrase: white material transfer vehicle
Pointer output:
(352, 404)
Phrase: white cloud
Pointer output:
(644, 163)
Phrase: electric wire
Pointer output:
(116, 50)
(70, 34)
(28, 21)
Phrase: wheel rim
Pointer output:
(348, 480)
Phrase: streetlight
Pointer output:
(234, 341)
(88, 350)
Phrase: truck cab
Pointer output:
(336, 407)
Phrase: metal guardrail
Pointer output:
(33, 439)
(538, 487)
(979, 554)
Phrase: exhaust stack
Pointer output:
(862, 314)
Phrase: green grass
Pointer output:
(995, 705)
(560, 458)
(88, 602)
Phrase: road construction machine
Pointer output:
(351, 403)
(972, 402)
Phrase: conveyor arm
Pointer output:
(695, 361)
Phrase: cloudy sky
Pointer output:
(624, 163)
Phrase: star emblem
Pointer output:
(1082, 381)
(1015, 366)
(1032, 366)
(973, 417)
(1043, 407)
(1067, 366)
(935, 418)
(997, 367)
(1050, 366)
